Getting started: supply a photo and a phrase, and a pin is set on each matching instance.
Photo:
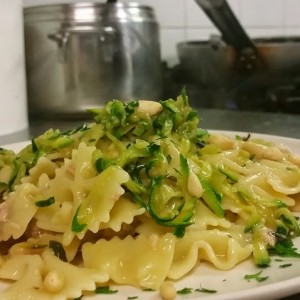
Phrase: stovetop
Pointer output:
(281, 97)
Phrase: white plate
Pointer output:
(230, 285)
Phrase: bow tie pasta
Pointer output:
(140, 196)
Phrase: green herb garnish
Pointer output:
(45, 203)
(185, 291)
(34, 147)
(285, 248)
(58, 250)
(76, 226)
(105, 290)
(256, 277)
(285, 266)
(102, 164)
(82, 127)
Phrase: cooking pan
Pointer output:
(214, 64)
(234, 60)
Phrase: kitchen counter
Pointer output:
(287, 125)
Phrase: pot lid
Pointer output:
(90, 12)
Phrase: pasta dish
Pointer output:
(140, 196)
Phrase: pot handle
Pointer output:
(233, 33)
(60, 37)
(106, 37)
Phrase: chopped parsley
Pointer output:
(45, 203)
(76, 226)
(82, 127)
(256, 277)
(105, 290)
(58, 250)
(101, 164)
(285, 248)
(285, 266)
(34, 147)
(185, 291)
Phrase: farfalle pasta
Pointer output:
(140, 196)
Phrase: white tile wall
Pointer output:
(182, 20)
(169, 39)
(262, 13)
(292, 13)
(195, 17)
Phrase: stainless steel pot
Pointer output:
(81, 55)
